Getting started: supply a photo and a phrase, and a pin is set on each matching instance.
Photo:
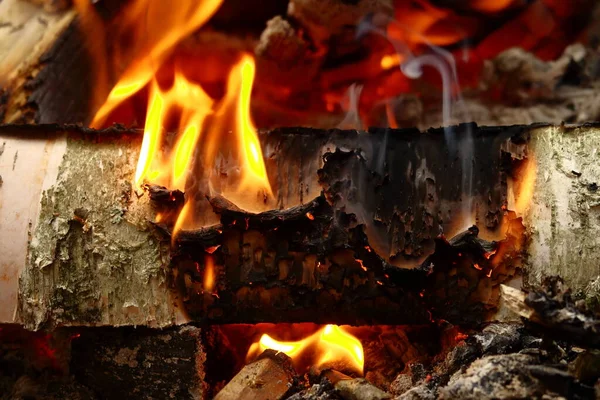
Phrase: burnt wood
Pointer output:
(360, 220)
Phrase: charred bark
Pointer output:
(360, 252)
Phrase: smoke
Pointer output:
(350, 105)
(443, 62)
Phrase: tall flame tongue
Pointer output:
(247, 184)
(145, 32)
(331, 346)
(193, 105)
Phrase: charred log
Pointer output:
(386, 198)
(298, 264)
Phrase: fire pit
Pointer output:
(194, 205)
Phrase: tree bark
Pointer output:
(28, 32)
(367, 250)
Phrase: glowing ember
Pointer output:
(329, 346)
(209, 275)
(390, 61)
(310, 216)
(361, 264)
(490, 254)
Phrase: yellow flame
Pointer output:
(338, 344)
(152, 134)
(145, 33)
(183, 154)
(194, 105)
(390, 61)
(247, 137)
(292, 349)
(330, 345)
(526, 176)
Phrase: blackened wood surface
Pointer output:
(356, 253)
(140, 363)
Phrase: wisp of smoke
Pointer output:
(443, 62)
(352, 119)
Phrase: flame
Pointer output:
(330, 345)
(235, 106)
(527, 176)
(194, 106)
(152, 134)
(209, 274)
(390, 61)
(144, 35)
(420, 22)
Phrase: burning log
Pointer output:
(271, 376)
(366, 251)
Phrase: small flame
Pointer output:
(527, 176)
(331, 345)
(390, 61)
(209, 274)
(338, 344)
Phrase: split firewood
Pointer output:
(77, 222)
(28, 30)
(271, 377)
(361, 253)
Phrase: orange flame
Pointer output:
(235, 107)
(231, 115)
(209, 275)
(145, 33)
(526, 176)
(390, 61)
(330, 346)
(194, 105)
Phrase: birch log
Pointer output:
(70, 214)
(77, 233)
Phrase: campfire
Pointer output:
(305, 199)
